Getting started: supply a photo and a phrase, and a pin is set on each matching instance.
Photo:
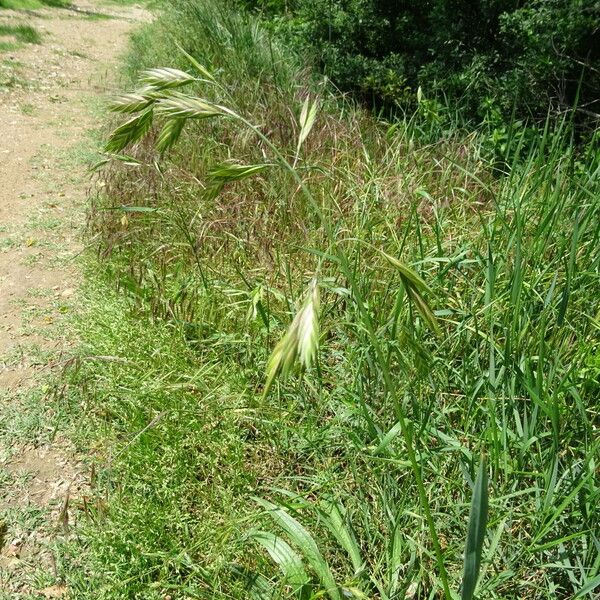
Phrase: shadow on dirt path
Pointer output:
(47, 94)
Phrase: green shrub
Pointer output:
(527, 56)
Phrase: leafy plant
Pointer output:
(301, 339)
(476, 535)
(525, 58)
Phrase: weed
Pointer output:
(28, 109)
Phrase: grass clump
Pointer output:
(438, 326)
(33, 4)
(10, 75)
(157, 523)
(23, 33)
(18, 34)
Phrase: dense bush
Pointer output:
(489, 56)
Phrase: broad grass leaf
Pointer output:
(201, 69)
(476, 533)
(388, 438)
(305, 543)
(334, 515)
(407, 273)
(257, 586)
(589, 587)
(286, 558)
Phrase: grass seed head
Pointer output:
(301, 340)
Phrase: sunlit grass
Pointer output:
(492, 360)
(32, 4)
(12, 36)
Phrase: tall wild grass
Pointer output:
(326, 356)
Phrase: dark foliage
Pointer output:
(488, 57)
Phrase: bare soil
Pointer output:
(48, 95)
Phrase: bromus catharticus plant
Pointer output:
(511, 256)
(160, 96)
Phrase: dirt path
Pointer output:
(48, 92)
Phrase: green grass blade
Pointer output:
(201, 68)
(476, 534)
(305, 543)
(256, 585)
(287, 559)
(334, 516)
(588, 588)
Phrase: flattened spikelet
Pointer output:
(187, 107)
(131, 131)
(130, 103)
(414, 286)
(301, 340)
(166, 78)
(224, 173)
(170, 134)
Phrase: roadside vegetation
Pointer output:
(328, 356)
(23, 33)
